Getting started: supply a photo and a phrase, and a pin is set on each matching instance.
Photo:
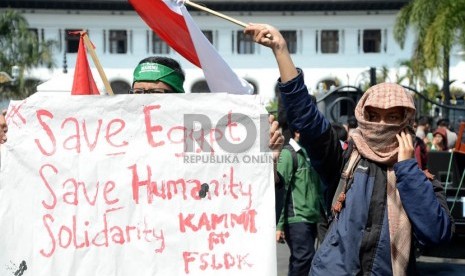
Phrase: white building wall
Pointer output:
(259, 67)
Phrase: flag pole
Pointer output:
(205, 9)
(221, 15)
(96, 61)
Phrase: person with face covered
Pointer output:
(380, 200)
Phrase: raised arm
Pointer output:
(302, 113)
(270, 37)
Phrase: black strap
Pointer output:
(376, 213)
(294, 159)
(281, 194)
(295, 165)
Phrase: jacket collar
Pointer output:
(293, 143)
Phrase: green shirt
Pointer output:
(302, 203)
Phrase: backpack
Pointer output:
(281, 191)
(295, 163)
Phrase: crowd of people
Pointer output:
(441, 138)
(359, 182)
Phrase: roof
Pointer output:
(230, 5)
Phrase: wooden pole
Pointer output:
(221, 15)
(205, 9)
(97, 64)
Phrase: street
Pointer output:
(428, 266)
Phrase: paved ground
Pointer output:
(283, 258)
(428, 266)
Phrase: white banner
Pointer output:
(137, 185)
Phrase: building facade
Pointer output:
(334, 42)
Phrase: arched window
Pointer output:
(120, 87)
(255, 87)
(327, 85)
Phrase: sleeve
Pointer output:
(316, 134)
(285, 168)
(424, 204)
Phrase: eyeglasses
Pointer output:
(149, 91)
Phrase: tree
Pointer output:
(414, 73)
(438, 26)
(363, 80)
(20, 46)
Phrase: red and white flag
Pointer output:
(83, 83)
(171, 21)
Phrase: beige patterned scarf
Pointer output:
(378, 142)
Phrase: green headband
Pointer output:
(152, 72)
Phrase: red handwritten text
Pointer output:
(72, 197)
(188, 188)
(63, 236)
(210, 222)
(80, 135)
(215, 261)
(205, 140)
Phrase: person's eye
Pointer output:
(374, 117)
(136, 91)
(394, 117)
(155, 91)
(158, 91)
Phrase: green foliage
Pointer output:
(402, 22)
(415, 74)
(272, 108)
(382, 75)
(21, 47)
(457, 92)
(433, 92)
(437, 26)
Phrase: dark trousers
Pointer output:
(300, 237)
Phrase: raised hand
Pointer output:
(270, 37)
(406, 150)
(276, 138)
(267, 36)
